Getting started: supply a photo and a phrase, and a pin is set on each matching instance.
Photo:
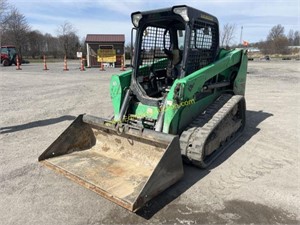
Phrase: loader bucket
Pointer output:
(128, 167)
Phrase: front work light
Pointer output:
(136, 19)
(182, 11)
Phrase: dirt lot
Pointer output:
(256, 181)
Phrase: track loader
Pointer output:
(183, 100)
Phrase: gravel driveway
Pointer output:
(255, 181)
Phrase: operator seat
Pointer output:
(173, 69)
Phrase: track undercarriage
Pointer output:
(214, 130)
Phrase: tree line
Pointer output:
(15, 30)
(277, 42)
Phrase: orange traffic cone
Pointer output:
(18, 63)
(65, 64)
(45, 64)
(102, 67)
(82, 66)
(122, 65)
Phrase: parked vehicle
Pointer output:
(183, 98)
(9, 55)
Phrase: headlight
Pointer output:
(182, 11)
(136, 19)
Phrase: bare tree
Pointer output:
(83, 48)
(128, 51)
(277, 42)
(227, 34)
(3, 16)
(52, 46)
(36, 43)
(296, 40)
(276, 32)
(291, 37)
(280, 45)
(15, 29)
(68, 38)
(3, 10)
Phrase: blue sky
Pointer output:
(113, 17)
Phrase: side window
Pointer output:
(4, 50)
(193, 37)
(201, 38)
(203, 45)
(12, 51)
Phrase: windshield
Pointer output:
(12, 50)
(154, 41)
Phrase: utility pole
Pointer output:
(241, 37)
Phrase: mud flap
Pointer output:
(128, 168)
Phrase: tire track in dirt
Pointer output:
(265, 162)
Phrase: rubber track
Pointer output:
(192, 140)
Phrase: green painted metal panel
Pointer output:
(176, 119)
(118, 84)
(240, 81)
(183, 103)
(141, 111)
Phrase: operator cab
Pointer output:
(160, 56)
(169, 46)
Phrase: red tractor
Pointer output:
(9, 55)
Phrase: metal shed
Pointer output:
(106, 48)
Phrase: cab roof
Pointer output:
(168, 12)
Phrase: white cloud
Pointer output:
(113, 16)
(122, 7)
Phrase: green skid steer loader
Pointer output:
(183, 100)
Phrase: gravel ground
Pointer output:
(255, 181)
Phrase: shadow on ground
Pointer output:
(192, 174)
(39, 123)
